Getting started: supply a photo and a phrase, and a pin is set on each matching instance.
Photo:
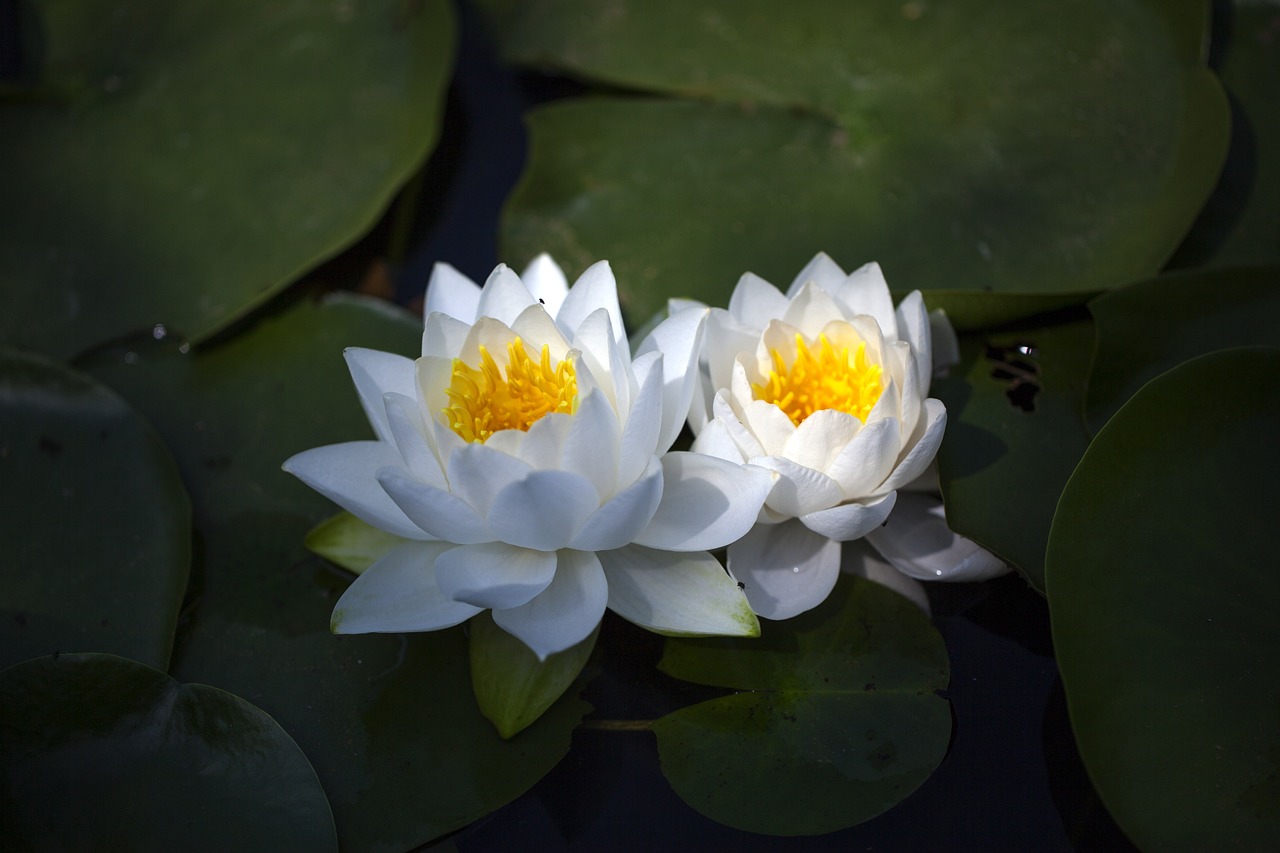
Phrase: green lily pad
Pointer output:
(1037, 147)
(103, 753)
(1003, 466)
(1153, 326)
(181, 164)
(1162, 592)
(840, 721)
(390, 722)
(96, 524)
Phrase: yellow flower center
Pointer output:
(487, 399)
(826, 379)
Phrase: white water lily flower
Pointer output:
(828, 386)
(523, 459)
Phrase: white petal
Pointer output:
(811, 309)
(478, 472)
(443, 336)
(546, 282)
(852, 520)
(821, 437)
(541, 445)
(679, 339)
(591, 446)
(946, 346)
(785, 568)
(866, 292)
(799, 490)
(376, 373)
(755, 302)
(409, 432)
(917, 541)
(676, 594)
(861, 560)
(770, 426)
(724, 340)
(639, 440)
(714, 440)
(914, 328)
(622, 519)
(452, 293)
(565, 612)
(742, 437)
(347, 475)
(706, 502)
(537, 328)
(912, 398)
(866, 460)
(543, 511)
(493, 574)
(822, 271)
(399, 593)
(445, 516)
(919, 457)
(603, 357)
(594, 289)
(504, 296)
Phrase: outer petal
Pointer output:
(594, 289)
(404, 415)
(746, 441)
(917, 541)
(377, 373)
(799, 490)
(566, 611)
(479, 472)
(866, 460)
(785, 568)
(920, 455)
(399, 593)
(914, 328)
(443, 336)
(676, 594)
(452, 293)
(591, 446)
(494, 574)
(706, 502)
(866, 292)
(714, 440)
(850, 521)
(860, 559)
(820, 437)
(946, 346)
(620, 520)
(811, 309)
(755, 302)
(641, 431)
(679, 339)
(822, 271)
(504, 296)
(445, 516)
(546, 282)
(543, 511)
(346, 474)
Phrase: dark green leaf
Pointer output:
(96, 525)
(1162, 589)
(102, 753)
(1153, 326)
(1003, 466)
(178, 165)
(1038, 147)
(390, 722)
(841, 721)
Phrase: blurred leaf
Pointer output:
(1035, 148)
(1003, 466)
(840, 720)
(349, 542)
(1153, 326)
(178, 165)
(513, 687)
(102, 753)
(389, 722)
(1162, 591)
(96, 524)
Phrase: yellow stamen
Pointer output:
(827, 379)
(487, 399)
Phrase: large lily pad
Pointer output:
(103, 753)
(1162, 588)
(1153, 326)
(839, 720)
(96, 527)
(178, 164)
(1036, 147)
(1015, 431)
(389, 722)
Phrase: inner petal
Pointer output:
(488, 398)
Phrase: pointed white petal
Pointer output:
(591, 446)
(822, 271)
(799, 490)
(639, 439)
(914, 328)
(622, 519)
(861, 560)
(537, 328)
(866, 460)
(820, 438)
(504, 296)
(376, 373)
(919, 457)
(706, 502)
(546, 282)
(770, 426)
(443, 336)
(543, 511)
(917, 541)
(399, 593)
(409, 433)
(742, 437)
(452, 293)
(603, 358)
(445, 516)
(676, 594)
(345, 474)
(479, 472)
(785, 568)
(594, 289)
(866, 292)
(811, 309)
(946, 346)
(679, 339)
(494, 574)
(714, 440)
(755, 302)
(565, 612)
(852, 520)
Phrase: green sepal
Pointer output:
(349, 542)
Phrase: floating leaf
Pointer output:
(96, 528)
(1153, 326)
(390, 722)
(103, 753)
(841, 720)
(1014, 434)
(180, 164)
(1162, 591)
(1036, 148)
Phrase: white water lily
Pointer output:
(828, 386)
(523, 458)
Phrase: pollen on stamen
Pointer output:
(829, 378)
(486, 399)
